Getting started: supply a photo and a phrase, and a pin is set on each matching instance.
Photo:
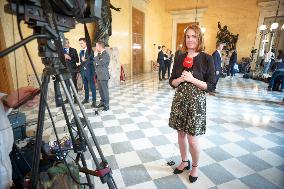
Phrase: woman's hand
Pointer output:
(18, 95)
(177, 81)
(187, 76)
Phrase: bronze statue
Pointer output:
(103, 25)
(224, 36)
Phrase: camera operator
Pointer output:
(7, 102)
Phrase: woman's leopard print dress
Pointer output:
(188, 111)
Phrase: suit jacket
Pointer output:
(203, 69)
(71, 64)
(160, 57)
(102, 63)
(88, 69)
(217, 61)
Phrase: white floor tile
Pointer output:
(140, 144)
(236, 168)
(127, 159)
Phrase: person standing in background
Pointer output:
(217, 58)
(102, 71)
(87, 72)
(168, 62)
(269, 59)
(161, 61)
(233, 62)
(71, 57)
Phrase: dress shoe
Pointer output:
(178, 171)
(191, 178)
(106, 108)
(100, 105)
(85, 101)
(93, 105)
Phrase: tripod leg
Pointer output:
(88, 123)
(39, 131)
(91, 186)
(87, 175)
(76, 116)
(109, 178)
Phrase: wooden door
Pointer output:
(180, 33)
(6, 82)
(137, 41)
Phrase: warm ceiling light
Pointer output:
(262, 27)
(274, 26)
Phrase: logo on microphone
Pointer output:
(188, 62)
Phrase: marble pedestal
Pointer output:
(114, 67)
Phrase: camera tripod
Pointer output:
(51, 51)
(79, 144)
(54, 67)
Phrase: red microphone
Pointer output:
(188, 63)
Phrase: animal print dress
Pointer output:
(188, 111)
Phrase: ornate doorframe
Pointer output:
(185, 16)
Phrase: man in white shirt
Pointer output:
(6, 134)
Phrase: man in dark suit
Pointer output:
(233, 61)
(161, 61)
(217, 57)
(87, 71)
(102, 63)
(71, 57)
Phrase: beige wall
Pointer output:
(240, 16)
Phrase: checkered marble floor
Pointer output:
(242, 148)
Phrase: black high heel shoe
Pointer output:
(191, 178)
(177, 171)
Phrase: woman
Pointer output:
(188, 111)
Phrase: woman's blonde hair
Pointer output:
(198, 33)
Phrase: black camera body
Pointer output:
(66, 12)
